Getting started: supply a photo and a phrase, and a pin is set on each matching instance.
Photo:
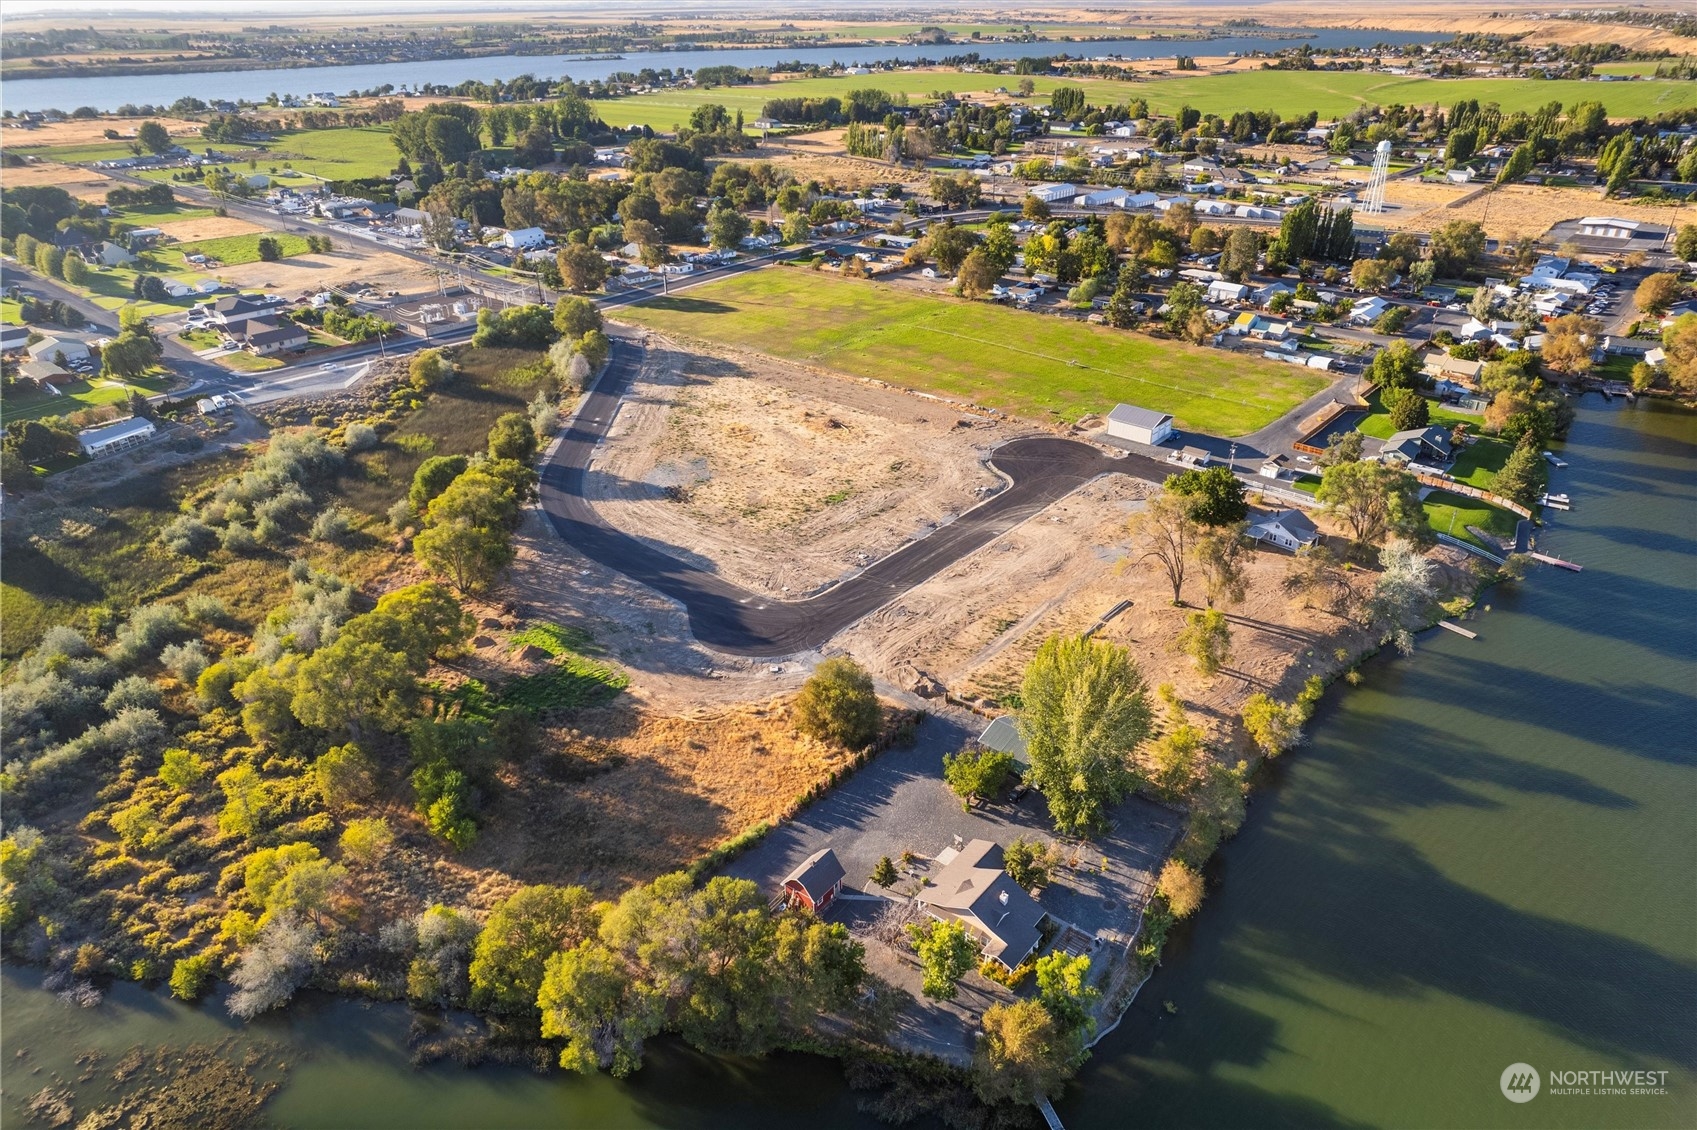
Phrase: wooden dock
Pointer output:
(1458, 629)
(1556, 561)
(1048, 1112)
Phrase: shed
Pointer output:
(1273, 467)
(1190, 456)
(525, 238)
(816, 882)
(1222, 291)
(113, 438)
(1140, 425)
(1003, 736)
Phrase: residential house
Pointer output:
(234, 309)
(1265, 295)
(284, 337)
(111, 254)
(48, 348)
(42, 372)
(1418, 445)
(1441, 366)
(974, 890)
(817, 882)
(1287, 529)
(524, 238)
(1366, 311)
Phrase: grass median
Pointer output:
(1028, 364)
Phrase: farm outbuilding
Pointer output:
(816, 882)
(114, 438)
(1140, 425)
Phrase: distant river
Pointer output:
(1485, 856)
(111, 91)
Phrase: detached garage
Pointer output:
(1139, 425)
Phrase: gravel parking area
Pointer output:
(899, 803)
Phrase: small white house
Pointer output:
(1287, 529)
(113, 255)
(524, 238)
(1139, 425)
(113, 438)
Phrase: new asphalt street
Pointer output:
(1040, 470)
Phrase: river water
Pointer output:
(108, 92)
(1485, 856)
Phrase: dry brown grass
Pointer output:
(1524, 209)
(301, 274)
(207, 227)
(81, 183)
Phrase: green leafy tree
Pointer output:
(602, 1013)
(1022, 1053)
(1030, 862)
(1242, 249)
(1523, 474)
(522, 932)
(1408, 409)
(1165, 531)
(946, 954)
(1397, 365)
(1375, 501)
(1656, 293)
(977, 773)
(977, 274)
(181, 769)
(594, 347)
(727, 226)
(838, 704)
(1685, 243)
(574, 317)
(433, 477)
(1217, 495)
(343, 775)
(190, 976)
(153, 137)
(1206, 639)
(512, 437)
(1085, 710)
(582, 270)
(1063, 987)
(1122, 312)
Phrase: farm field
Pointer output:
(1330, 93)
(1034, 366)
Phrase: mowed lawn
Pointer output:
(231, 250)
(1028, 364)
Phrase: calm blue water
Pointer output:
(111, 91)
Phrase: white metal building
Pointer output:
(1053, 193)
(1140, 425)
(1608, 227)
(113, 438)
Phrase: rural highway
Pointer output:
(732, 619)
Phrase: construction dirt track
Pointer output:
(1041, 470)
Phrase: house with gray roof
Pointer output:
(1287, 529)
(974, 890)
(1418, 445)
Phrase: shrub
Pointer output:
(1181, 887)
(133, 691)
(838, 704)
(238, 539)
(332, 525)
(365, 840)
(148, 629)
(279, 962)
(188, 536)
(359, 437)
(186, 661)
(190, 975)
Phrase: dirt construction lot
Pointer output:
(782, 478)
(301, 274)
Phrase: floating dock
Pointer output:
(1555, 502)
(1553, 461)
(1458, 629)
(1556, 561)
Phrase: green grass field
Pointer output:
(1330, 93)
(231, 250)
(11, 312)
(1029, 364)
(334, 153)
(1453, 513)
(80, 394)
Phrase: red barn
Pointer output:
(816, 882)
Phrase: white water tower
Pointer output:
(1376, 182)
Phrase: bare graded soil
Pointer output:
(782, 478)
(300, 274)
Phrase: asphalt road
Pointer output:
(724, 616)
